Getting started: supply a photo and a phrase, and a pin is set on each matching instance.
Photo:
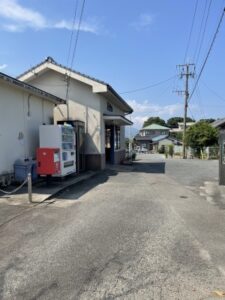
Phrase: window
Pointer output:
(108, 138)
(109, 107)
(117, 137)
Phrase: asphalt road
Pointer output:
(128, 233)
(192, 172)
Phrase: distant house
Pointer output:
(181, 126)
(152, 137)
(22, 109)
(91, 101)
(220, 124)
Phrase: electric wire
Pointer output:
(200, 31)
(72, 32)
(201, 108)
(192, 116)
(149, 86)
(207, 56)
(77, 35)
(74, 50)
(191, 30)
(204, 31)
(213, 91)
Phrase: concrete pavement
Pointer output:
(15, 204)
(129, 233)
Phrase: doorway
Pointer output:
(109, 144)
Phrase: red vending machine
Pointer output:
(48, 161)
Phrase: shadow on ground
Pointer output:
(78, 190)
(149, 167)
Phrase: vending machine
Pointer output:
(61, 140)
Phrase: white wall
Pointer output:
(20, 117)
(165, 142)
(84, 105)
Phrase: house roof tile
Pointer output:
(155, 127)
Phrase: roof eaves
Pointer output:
(31, 88)
(129, 108)
(52, 61)
(218, 122)
(109, 87)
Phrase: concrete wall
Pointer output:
(20, 117)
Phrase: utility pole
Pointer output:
(185, 72)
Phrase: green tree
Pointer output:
(201, 135)
(173, 122)
(154, 120)
(177, 135)
(210, 120)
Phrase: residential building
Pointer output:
(219, 123)
(22, 109)
(89, 100)
(181, 126)
(151, 138)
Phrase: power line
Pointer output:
(191, 30)
(201, 108)
(203, 35)
(72, 31)
(200, 31)
(208, 53)
(149, 86)
(77, 35)
(191, 113)
(73, 55)
(213, 92)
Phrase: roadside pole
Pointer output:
(29, 184)
(185, 71)
(186, 95)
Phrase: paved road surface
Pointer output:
(129, 233)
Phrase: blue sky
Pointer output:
(129, 44)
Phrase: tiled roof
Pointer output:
(52, 61)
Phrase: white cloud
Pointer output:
(144, 110)
(143, 21)
(91, 27)
(2, 67)
(13, 11)
(19, 18)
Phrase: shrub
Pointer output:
(133, 156)
(171, 150)
(161, 150)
